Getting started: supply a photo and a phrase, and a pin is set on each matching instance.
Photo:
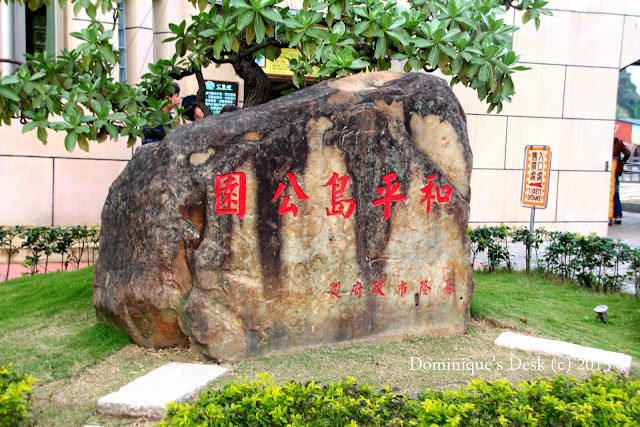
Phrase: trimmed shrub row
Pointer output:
(561, 401)
(592, 261)
(71, 243)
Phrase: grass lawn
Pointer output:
(558, 310)
(49, 331)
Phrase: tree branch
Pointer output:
(202, 89)
(11, 61)
(269, 41)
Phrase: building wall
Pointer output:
(567, 101)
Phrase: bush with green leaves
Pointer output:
(16, 395)
(532, 241)
(591, 261)
(7, 236)
(599, 400)
(71, 243)
(494, 240)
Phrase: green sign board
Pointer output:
(220, 94)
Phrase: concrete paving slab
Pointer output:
(148, 395)
(585, 358)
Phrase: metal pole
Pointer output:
(531, 229)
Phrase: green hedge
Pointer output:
(592, 261)
(561, 401)
(71, 243)
(16, 395)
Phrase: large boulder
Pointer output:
(186, 257)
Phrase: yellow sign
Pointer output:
(535, 182)
(281, 65)
(612, 187)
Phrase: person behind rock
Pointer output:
(229, 108)
(620, 153)
(192, 111)
(158, 131)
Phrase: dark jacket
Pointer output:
(620, 153)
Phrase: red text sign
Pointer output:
(535, 182)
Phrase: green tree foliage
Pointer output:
(628, 98)
(76, 93)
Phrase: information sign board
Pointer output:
(280, 66)
(535, 182)
(220, 94)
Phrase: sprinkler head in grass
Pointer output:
(601, 310)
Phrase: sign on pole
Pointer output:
(535, 182)
(535, 185)
(220, 94)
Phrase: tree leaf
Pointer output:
(483, 75)
(295, 39)
(117, 116)
(42, 135)
(361, 27)
(208, 33)
(9, 93)
(250, 33)
(70, 141)
(240, 4)
(456, 64)
(91, 11)
(423, 43)
(107, 54)
(113, 131)
(258, 25)
(58, 126)
(271, 15)
(434, 57)
(131, 141)
(37, 76)
(83, 143)
(29, 126)
(245, 18)
(358, 64)
(381, 47)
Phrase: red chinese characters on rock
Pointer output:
(389, 192)
(334, 288)
(441, 198)
(424, 287)
(376, 289)
(339, 206)
(286, 206)
(402, 288)
(357, 290)
(231, 193)
(448, 288)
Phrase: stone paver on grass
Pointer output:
(148, 395)
(585, 358)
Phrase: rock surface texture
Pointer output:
(241, 235)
